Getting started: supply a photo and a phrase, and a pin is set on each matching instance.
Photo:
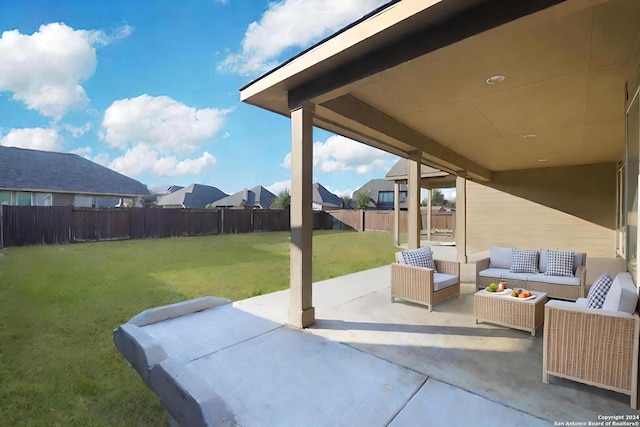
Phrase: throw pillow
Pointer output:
(524, 261)
(416, 258)
(598, 291)
(560, 263)
(422, 257)
(430, 262)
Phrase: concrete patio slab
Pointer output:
(289, 378)
(366, 361)
(500, 364)
(439, 404)
(327, 294)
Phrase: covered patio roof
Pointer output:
(412, 77)
(525, 96)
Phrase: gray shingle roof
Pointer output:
(193, 196)
(401, 171)
(377, 185)
(33, 170)
(257, 197)
(165, 189)
(324, 197)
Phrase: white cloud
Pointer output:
(156, 132)
(78, 131)
(292, 23)
(449, 194)
(115, 35)
(160, 122)
(45, 70)
(86, 152)
(83, 152)
(340, 154)
(340, 193)
(279, 186)
(101, 159)
(143, 158)
(34, 138)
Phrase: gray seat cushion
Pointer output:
(503, 273)
(556, 280)
(442, 281)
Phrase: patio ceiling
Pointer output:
(412, 78)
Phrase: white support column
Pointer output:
(429, 205)
(301, 311)
(461, 219)
(396, 213)
(414, 202)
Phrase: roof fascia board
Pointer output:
(388, 16)
(466, 24)
(353, 109)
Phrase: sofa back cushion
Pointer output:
(578, 260)
(622, 295)
(500, 257)
(524, 261)
(560, 263)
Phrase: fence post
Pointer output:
(362, 217)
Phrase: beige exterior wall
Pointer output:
(575, 211)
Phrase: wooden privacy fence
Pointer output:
(33, 225)
(370, 220)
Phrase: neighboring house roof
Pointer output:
(33, 170)
(430, 177)
(165, 189)
(324, 197)
(375, 186)
(257, 197)
(193, 196)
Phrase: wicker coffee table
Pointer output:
(505, 310)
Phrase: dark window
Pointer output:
(385, 200)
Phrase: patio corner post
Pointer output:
(301, 311)
(396, 213)
(414, 202)
(430, 213)
(461, 219)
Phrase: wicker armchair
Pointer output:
(594, 347)
(416, 284)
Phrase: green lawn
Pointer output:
(59, 305)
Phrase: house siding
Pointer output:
(497, 218)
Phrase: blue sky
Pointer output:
(150, 88)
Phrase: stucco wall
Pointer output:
(550, 208)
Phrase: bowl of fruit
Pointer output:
(522, 294)
(491, 288)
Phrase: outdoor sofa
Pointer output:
(413, 281)
(530, 271)
(595, 346)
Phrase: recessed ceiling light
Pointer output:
(542, 160)
(493, 80)
(531, 135)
